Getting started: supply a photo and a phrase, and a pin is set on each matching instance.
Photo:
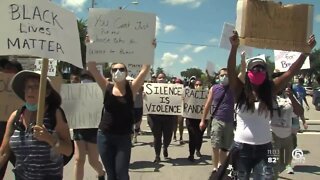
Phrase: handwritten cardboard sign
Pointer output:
(225, 42)
(82, 104)
(194, 101)
(121, 36)
(284, 59)
(9, 102)
(52, 66)
(39, 29)
(268, 24)
(165, 99)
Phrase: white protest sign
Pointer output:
(284, 59)
(39, 29)
(121, 36)
(82, 104)
(210, 68)
(227, 31)
(27, 63)
(161, 98)
(134, 70)
(100, 68)
(52, 66)
(194, 101)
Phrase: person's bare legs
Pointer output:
(93, 158)
(222, 156)
(215, 158)
(80, 159)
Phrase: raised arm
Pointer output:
(234, 82)
(139, 80)
(281, 81)
(98, 77)
(242, 73)
(207, 107)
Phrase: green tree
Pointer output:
(192, 72)
(159, 70)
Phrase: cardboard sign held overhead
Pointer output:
(268, 24)
(39, 29)
(121, 36)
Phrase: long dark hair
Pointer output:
(264, 93)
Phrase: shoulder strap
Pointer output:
(18, 114)
(220, 100)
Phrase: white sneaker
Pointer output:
(289, 170)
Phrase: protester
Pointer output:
(161, 125)
(178, 121)
(221, 98)
(37, 149)
(115, 128)
(254, 109)
(281, 126)
(316, 95)
(13, 67)
(301, 92)
(85, 140)
(137, 113)
(195, 133)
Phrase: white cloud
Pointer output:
(214, 40)
(169, 28)
(199, 49)
(158, 25)
(168, 59)
(185, 47)
(77, 5)
(192, 3)
(185, 60)
(317, 18)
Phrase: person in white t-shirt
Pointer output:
(254, 109)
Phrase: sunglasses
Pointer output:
(116, 69)
(198, 84)
(258, 69)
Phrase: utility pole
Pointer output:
(93, 3)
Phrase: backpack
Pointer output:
(51, 113)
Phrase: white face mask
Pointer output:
(86, 81)
(119, 76)
(224, 80)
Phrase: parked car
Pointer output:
(309, 90)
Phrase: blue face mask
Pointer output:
(31, 107)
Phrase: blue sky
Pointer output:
(186, 22)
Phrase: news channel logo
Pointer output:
(298, 156)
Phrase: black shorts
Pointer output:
(88, 135)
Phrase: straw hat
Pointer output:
(18, 83)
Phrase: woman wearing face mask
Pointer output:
(115, 128)
(85, 140)
(195, 133)
(255, 108)
(221, 99)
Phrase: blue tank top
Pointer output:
(225, 110)
(35, 159)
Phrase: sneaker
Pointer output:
(191, 158)
(181, 142)
(198, 154)
(289, 170)
(165, 153)
(213, 174)
(174, 138)
(157, 160)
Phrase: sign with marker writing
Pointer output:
(121, 36)
(161, 98)
(82, 104)
(284, 59)
(9, 102)
(273, 25)
(52, 66)
(39, 29)
(134, 70)
(194, 101)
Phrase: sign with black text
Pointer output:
(121, 36)
(194, 101)
(39, 29)
(161, 98)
